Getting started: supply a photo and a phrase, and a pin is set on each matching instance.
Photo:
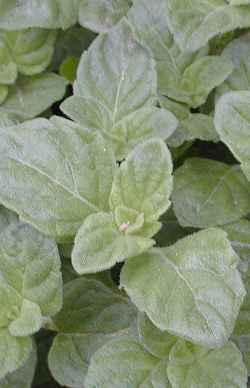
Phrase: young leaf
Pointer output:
(191, 289)
(90, 307)
(232, 124)
(101, 15)
(99, 244)
(184, 77)
(196, 367)
(54, 174)
(210, 193)
(22, 377)
(21, 104)
(31, 284)
(14, 352)
(195, 22)
(126, 363)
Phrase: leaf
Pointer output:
(6, 218)
(126, 363)
(193, 366)
(31, 96)
(133, 129)
(55, 174)
(22, 377)
(48, 14)
(155, 341)
(238, 51)
(70, 356)
(99, 244)
(143, 183)
(239, 234)
(7, 120)
(90, 307)
(101, 15)
(184, 77)
(232, 124)
(195, 23)
(126, 81)
(68, 69)
(209, 193)
(191, 289)
(191, 126)
(31, 50)
(14, 352)
(31, 282)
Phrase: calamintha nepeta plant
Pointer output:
(124, 207)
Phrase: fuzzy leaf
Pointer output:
(196, 367)
(232, 122)
(195, 22)
(101, 15)
(126, 363)
(31, 96)
(187, 78)
(239, 234)
(210, 193)
(191, 289)
(14, 352)
(54, 174)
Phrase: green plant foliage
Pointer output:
(124, 193)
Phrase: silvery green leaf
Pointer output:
(232, 124)
(191, 126)
(195, 23)
(126, 363)
(31, 284)
(157, 342)
(143, 183)
(238, 51)
(45, 14)
(192, 289)
(196, 367)
(22, 377)
(7, 120)
(14, 352)
(100, 244)
(30, 96)
(239, 234)
(90, 307)
(101, 15)
(6, 218)
(210, 193)
(31, 49)
(184, 77)
(70, 355)
(54, 174)
(134, 128)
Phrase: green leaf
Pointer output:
(90, 307)
(7, 120)
(31, 50)
(196, 367)
(195, 23)
(238, 51)
(14, 352)
(99, 244)
(70, 356)
(22, 377)
(101, 15)
(184, 77)
(191, 126)
(157, 342)
(143, 183)
(6, 218)
(133, 129)
(48, 14)
(68, 69)
(191, 289)
(210, 193)
(31, 282)
(232, 124)
(47, 89)
(126, 363)
(55, 174)
(239, 234)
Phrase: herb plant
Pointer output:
(124, 193)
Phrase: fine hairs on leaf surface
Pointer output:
(124, 193)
